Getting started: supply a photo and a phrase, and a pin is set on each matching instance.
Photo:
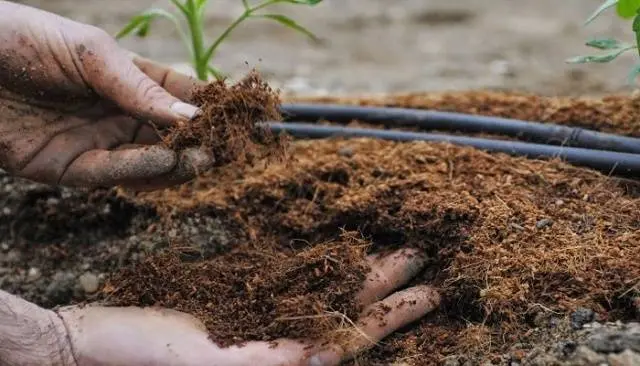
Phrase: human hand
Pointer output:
(75, 107)
(104, 336)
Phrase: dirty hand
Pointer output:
(74, 106)
(103, 336)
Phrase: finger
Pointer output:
(49, 163)
(191, 163)
(111, 73)
(105, 168)
(179, 85)
(381, 319)
(388, 273)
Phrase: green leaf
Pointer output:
(142, 22)
(143, 30)
(287, 22)
(607, 57)
(606, 5)
(133, 24)
(636, 28)
(627, 8)
(606, 44)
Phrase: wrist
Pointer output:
(31, 335)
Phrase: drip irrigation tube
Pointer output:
(607, 162)
(435, 120)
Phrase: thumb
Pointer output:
(111, 72)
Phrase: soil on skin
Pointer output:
(510, 243)
(228, 128)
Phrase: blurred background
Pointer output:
(382, 46)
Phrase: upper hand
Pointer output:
(75, 107)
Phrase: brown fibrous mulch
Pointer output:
(256, 292)
(508, 238)
(229, 128)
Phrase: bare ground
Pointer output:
(375, 46)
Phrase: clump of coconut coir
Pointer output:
(254, 292)
(229, 128)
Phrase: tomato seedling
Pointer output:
(193, 14)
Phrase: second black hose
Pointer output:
(607, 162)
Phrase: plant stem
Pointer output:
(200, 62)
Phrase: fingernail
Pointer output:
(185, 110)
(325, 358)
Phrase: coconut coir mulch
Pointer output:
(508, 239)
(228, 128)
(255, 292)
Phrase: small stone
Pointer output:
(502, 68)
(4, 247)
(89, 282)
(52, 201)
(543, 223)
(581, 316)
(33, 274)
(346, 151)
(567, 348)
(626, 358)
(607, 342)
(12, 257)
(60, 289)
(586, 356)
(559, 202)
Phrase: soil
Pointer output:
(516, 246)
(519, 248)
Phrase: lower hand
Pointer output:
(106, 336)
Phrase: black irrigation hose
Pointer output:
(608, 162)
(435, 120)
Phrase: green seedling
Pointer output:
(193, 14)
(626, 10)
